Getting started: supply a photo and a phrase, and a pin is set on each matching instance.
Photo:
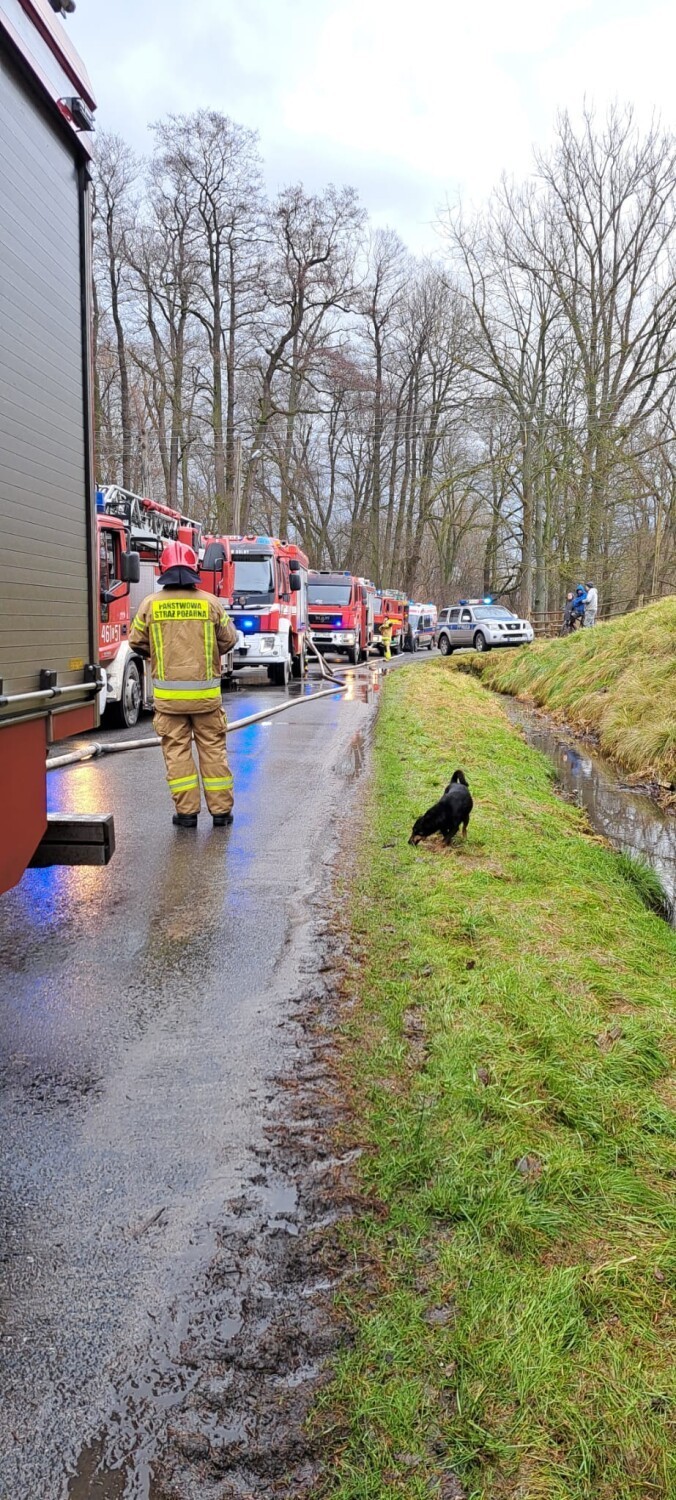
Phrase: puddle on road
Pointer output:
(363, 686)
(93, 1481)
(628, 818)
(354, 760)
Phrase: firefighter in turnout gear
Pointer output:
(386, 637)
(185, 632)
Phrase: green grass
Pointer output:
(508, 1062)
(648, 884)
(617, 681)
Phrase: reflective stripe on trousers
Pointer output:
(176, 731)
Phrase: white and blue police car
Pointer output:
(482, 624)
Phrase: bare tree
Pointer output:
(115, 174)
(219, 162)
(379, 303)
(502, 421)
(605, 251)
(310, 276)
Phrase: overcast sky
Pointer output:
(410, 101)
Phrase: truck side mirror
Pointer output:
(130, 567)
(294, 565)
(294, 580)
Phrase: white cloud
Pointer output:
(410, 100)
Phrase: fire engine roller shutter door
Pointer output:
(43, 522)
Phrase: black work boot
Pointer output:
(185, 820)
(222, 820)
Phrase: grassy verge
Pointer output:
(508, 1060)
(617, 681)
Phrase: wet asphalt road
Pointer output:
(142, 1018)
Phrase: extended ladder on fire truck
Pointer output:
(132, 530)
(149, 524)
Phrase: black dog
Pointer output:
(448, 814)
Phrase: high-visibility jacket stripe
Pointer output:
(196, 694)
(196, 685)
(156, 633)
(209, 644)
(215, 783)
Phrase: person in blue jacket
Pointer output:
(577, 608)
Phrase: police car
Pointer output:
(482, 624)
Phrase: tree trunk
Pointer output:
(223, 510)
(231, 384)
(374, 527)
(526, 584)
(125, 401)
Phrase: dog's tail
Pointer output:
(459, 776)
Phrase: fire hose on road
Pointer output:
(150, 742)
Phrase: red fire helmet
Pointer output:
(177, 555)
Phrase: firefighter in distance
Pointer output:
(185, 632)
(386, 638)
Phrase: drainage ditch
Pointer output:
(627, 816)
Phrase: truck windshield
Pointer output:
(493, 612)
(329, 593)
(253, 575)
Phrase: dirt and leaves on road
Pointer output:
(506, 1053)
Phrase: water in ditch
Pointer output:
(626, 816)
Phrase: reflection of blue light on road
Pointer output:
(55, 792)
(38, 896)
(247, 749)
(75, 790)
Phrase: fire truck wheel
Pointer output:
(299, 664)
(126, 712)
(354, 654)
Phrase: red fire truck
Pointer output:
(265, 581)
(49, 676)
(341, 609)
(132, 531)
(394, 607)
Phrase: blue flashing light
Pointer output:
(262, 538)
(100, 501)
(488, 599)
(248, 624)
